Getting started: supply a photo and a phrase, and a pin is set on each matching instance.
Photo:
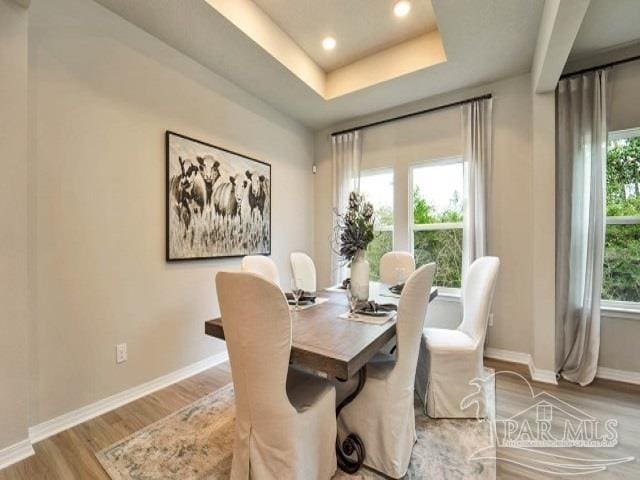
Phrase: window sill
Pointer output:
(624, 310)
(449, 294)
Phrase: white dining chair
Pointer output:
(450, 359)
(285, 419)
(304, 271)
(396, 267)
(383, 412)
(262, 266)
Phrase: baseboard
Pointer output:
(541, 375)
(549, 376)
(16, 452)
(618, 375)
(63, 422)
(508, 356)
(537, 374)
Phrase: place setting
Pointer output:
(300, 299)
(368, 311)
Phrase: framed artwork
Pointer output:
(218, 202)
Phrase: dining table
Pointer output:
(324, 341)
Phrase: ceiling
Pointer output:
(607, 24)
(351, 22)
(483, 40)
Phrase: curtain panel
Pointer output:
(347, 159)
(582, 106)
(478, 163)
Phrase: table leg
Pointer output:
(353, 443)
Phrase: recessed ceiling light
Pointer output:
(402, 8)
(329, 43)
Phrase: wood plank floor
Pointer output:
(70, 454)
(602, 399)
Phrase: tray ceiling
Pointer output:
(475, 42)
(360, 27)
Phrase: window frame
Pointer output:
(445, 292)
(377, 228)
(369, 172)
(621, 308)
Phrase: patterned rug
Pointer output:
(196, 443)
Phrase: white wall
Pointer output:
(439, 135)
(102, 94)
(544, 333)
(14, 373)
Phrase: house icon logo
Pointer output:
(546, 435)
(551, 423)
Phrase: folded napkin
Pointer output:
(306, 305)
(371, 307)
(397, 289)
(305, 297)
(364, 318)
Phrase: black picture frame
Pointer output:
(188, 207)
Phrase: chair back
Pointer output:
(412, 310)
(304, 271)
(257, 329)
(396, 267)
(261, 265)
(477, 296)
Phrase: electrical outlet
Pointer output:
(121, 353)
(491, 319)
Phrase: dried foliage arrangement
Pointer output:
(354, 228)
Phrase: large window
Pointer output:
(436, 219)
(621, 278)
(377, 188)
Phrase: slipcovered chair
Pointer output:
(450, 359)
(285, 418)
(383, 412)
(396, 267)
(304, 270)
(262, 266)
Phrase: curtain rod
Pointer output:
(412, 114)
(598, 67)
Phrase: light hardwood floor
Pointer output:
(70, 454)
(602, 399)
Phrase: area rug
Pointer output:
(196, 443)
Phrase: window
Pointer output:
(377, 188)
(437, 193)
(621, 277)
(544, 412)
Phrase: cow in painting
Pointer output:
(257, 194)
(188, 191)
(227, 197)
(209, 168)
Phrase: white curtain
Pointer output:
(347, 157)
(580, 221)
(476, 131)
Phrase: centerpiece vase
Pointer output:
(360, 276)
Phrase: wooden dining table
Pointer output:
(338, 347)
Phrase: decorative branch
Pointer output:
(353, 230)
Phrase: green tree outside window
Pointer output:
(621, 274)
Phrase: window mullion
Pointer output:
(624, 220)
